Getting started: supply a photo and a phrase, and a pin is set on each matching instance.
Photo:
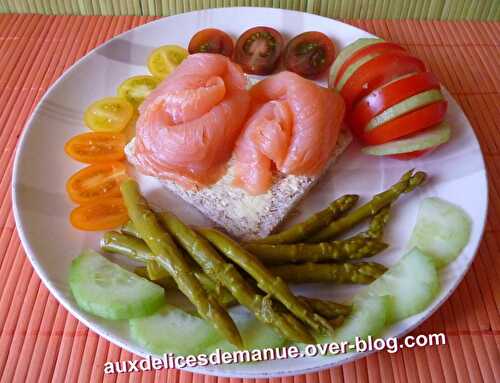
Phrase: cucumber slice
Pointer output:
(427, 139)
(414, 102)
(255, 334)
(412, 283)
(105, 289)
(442, 230)
(173, 330)
(368, 317)
(347, 52)
(353, 68)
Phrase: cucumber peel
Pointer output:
(107, 290)
(412, 103)
(369, 317)
(173, 330)
(427, 139)
(347, 52)
(442, 230)
(412, 283)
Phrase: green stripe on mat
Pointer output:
(346, 9)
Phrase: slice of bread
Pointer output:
(242, 215)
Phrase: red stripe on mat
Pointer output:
(40, 341)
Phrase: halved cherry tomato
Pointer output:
(110, 114)
(388, 95)
(309, 54)
(103, 214)
(165, 59)
(258, 50)
(377, 72)
(211, 40)
(136, 88)
(96, 182)
(406, 124)
(96, 147)
(411, 155)
(378, 48)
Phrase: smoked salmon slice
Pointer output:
(188, 125)
(293, 128)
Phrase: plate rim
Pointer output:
(31, 254)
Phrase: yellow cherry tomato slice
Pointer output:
(110, 114)
(96, 147)
(165, 59)
(96, 182)
(103, 214)
(135, 89)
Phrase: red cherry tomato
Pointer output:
(382, 47)
(388, 95)
(211, 40)
(409, 123)
(309, 54)
(377, 72)
(411, 155)
(258, 50)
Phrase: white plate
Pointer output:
(41, 207)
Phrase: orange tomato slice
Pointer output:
(93, 148)
(96, 182)
(103, 214)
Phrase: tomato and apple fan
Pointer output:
(391, 98)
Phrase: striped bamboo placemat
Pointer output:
(40, 341)
(349, 9)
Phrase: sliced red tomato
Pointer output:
(411, 155)
(96, 147)
(377, 72)
(388, 95)
(211, 40)
(406, 124)
(103, 214)
(309, 54)
(258, 50)
(96, 182)
(382, 47)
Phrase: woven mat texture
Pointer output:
(349, 9)
(40, 341)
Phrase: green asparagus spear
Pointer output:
(266, 281)
(130, 229)
(326, 308)
(362, 273)
(222, 295)
(354, 248)
(408, 183)
(133, 248)
(329, 309)
(167, 255)
(167, 283)
(377, 225)
(226, 274)
(155, 271)
(136, 249)
(313, 224)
